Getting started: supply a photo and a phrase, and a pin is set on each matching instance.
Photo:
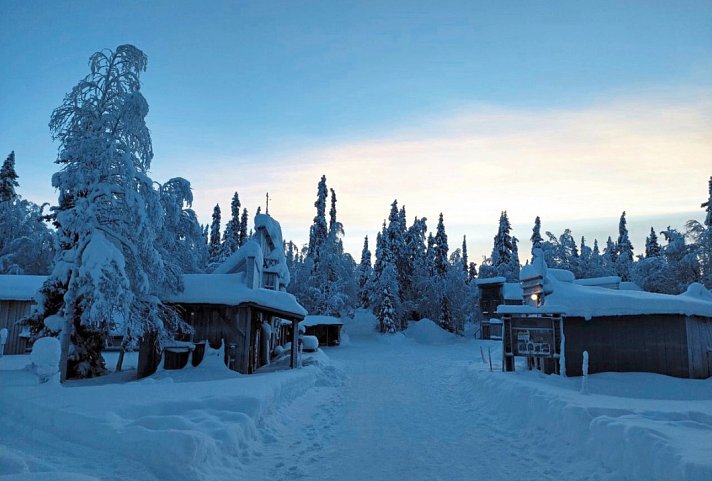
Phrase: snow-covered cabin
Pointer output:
(623, 329)
(17, 295)
(326, 328)
(493, 292)
(242, 304)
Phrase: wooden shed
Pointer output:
(494, 292)
(242, 305)
(326, 328)
(17, 295)
(622, 330)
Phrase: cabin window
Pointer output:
(270, 280)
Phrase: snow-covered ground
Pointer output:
(419, 406)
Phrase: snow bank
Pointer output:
(653, 436)
(46, 352)
(192, 424)
(426, 331)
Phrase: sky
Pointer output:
(572, 111)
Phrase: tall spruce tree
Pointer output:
(536, 234)
(231, 235)
(624, 251)
(364, 270)
(214, 249)
(242, 235)
(319, 229)
(440, 265)
(465, 260)
(652, 248)
(8, 179)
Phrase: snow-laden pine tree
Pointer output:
(364, 274)
(440, 248)
(701, 234)
(501, 262)
(319, 229)
(624, 251)
(108, 272)
(465, 260)
(215, 245)
(652, 248)
(326, 282)
(610, 255)
(26, 244)
(536, 238)
(386, 313)
(181, 239)
(242, 235)
(231, 235)
(8, 179)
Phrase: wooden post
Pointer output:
(295, 337)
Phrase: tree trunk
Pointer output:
(120, 361)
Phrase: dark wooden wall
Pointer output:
(10, 313)
(699, 341)
(652, 343)
(490, 298)
(328, 334)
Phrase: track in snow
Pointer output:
(406, 411)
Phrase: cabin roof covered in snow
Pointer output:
(321, 320)
(19, 288)
(230, 290)
(576, 300)
(236, 262)
(512, 291)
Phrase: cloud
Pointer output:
(647, 154)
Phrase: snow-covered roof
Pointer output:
(321, 320)
(490, 280)
(512, 291)
(236, 262)
(230, 289)
(607, 281)
(577, 300)
(19, 288)
(269, 224)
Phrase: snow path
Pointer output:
(407, 411)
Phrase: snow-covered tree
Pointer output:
(652, 248)
(231, 235)
(465, 260)
(440, 249)
(215, 246)
(386, 313)
(319, 229)
(701, 234)
(501, 262)
(8, 179)
(536, 234)
(108, 272)
(624, 251)
(181, 240)
(26, 244)
(242, 235)
(364, 271)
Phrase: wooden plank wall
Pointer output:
(699, 339)
(10, 313)
(656, 343)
